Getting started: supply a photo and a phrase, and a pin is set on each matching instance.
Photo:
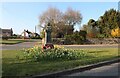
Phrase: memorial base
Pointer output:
(48, 46)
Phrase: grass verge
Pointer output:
(19, 67)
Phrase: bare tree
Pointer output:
(62, 23)
(72, 17)
(52, 14)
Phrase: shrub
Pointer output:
(37, 37)
(58, 53)
(75, 38)
(5, 38)
(115, 32)
(100, 36)
(58, 40)
(83, 34)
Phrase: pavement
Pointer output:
(108, 70)
(31, 44)
(91, 46)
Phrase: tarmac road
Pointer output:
(31, 44)
(19, 46)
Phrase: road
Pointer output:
(31, 44)
(19, 46)
(108, 70)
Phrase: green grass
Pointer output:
(18, 67)
(13, 41)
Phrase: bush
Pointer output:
(102, 36)
(83, 34)
(58, 53)
(37, 37)
(10, 37)
(5, 38)
(58, 40)
(74, 39)
(13, 37)
(115, 32)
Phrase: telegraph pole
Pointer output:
(35, 28)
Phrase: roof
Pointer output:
(7, 30)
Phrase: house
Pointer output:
(24, 34)
(6, 32)
(29, 34)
